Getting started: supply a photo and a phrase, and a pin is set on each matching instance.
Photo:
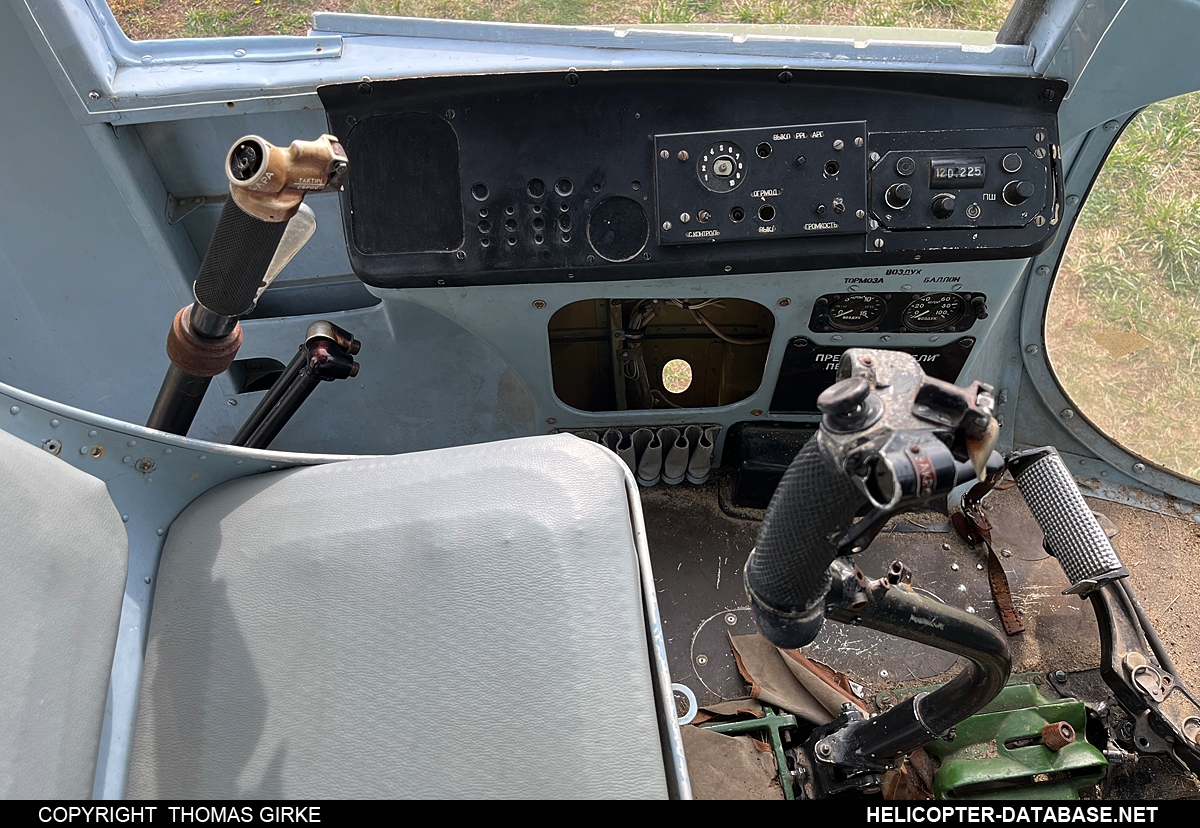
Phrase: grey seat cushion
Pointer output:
(456, 623)
(63, 553)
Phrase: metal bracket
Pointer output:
(180, 207)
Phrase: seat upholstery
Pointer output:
(456, 623)
(63, 556)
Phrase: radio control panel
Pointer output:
(773, 182)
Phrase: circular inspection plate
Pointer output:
(617, 228)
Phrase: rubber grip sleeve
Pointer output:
(786, 574)
(1073, 535)
(236, 261)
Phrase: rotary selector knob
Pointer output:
(1017, 192)
(898, 196)
(943, 206)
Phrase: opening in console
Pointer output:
(629, 354)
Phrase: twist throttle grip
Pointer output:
(237, 261)
(1073, 535)
(787, 573)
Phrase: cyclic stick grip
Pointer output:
(267, 185)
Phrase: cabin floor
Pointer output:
(699, 543)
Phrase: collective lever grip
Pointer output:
(267, 185)
(237, 261)
(1073, 535)
(787, 573)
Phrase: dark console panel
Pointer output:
(628, 174)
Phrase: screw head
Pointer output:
(970, 610)
(665, 154)
(878, 243)
(785, 77)
(231, 401)
(1072, 200)
(731, 619)
(572, 78)
(839, 144)
(94, 95)
(1139, 467)
(551, 421)
(683, 155)
(824, 749)
(1111, 126)
(1032, 349)
(702, 660)
(1058, 676)
(1006, 553)
(1068, 414)
(539, 304)
(883, 674)
(954, 567)
(784, 302)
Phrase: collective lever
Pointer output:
(262, 225)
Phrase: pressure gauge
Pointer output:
(855, 311)
(934, 312)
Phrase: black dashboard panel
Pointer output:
(626, 174)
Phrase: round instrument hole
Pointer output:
(737, 214)
(536, 188)
(564, 187)
(832, 167)
(677, 376)
(766, 213)
(763, 150)
(480, 191)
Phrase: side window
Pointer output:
(145, 19)
(1123, 324)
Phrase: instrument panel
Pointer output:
(630, 174)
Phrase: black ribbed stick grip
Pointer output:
(786, 574)
(237, 260)
(1073, 535)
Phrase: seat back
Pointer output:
(63, 552)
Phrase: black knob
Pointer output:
(898, 196)
(844, 397)
(1017, 192)
(979, 304)
(943, 206)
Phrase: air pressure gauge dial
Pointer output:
(934, 312)
(855, 312)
